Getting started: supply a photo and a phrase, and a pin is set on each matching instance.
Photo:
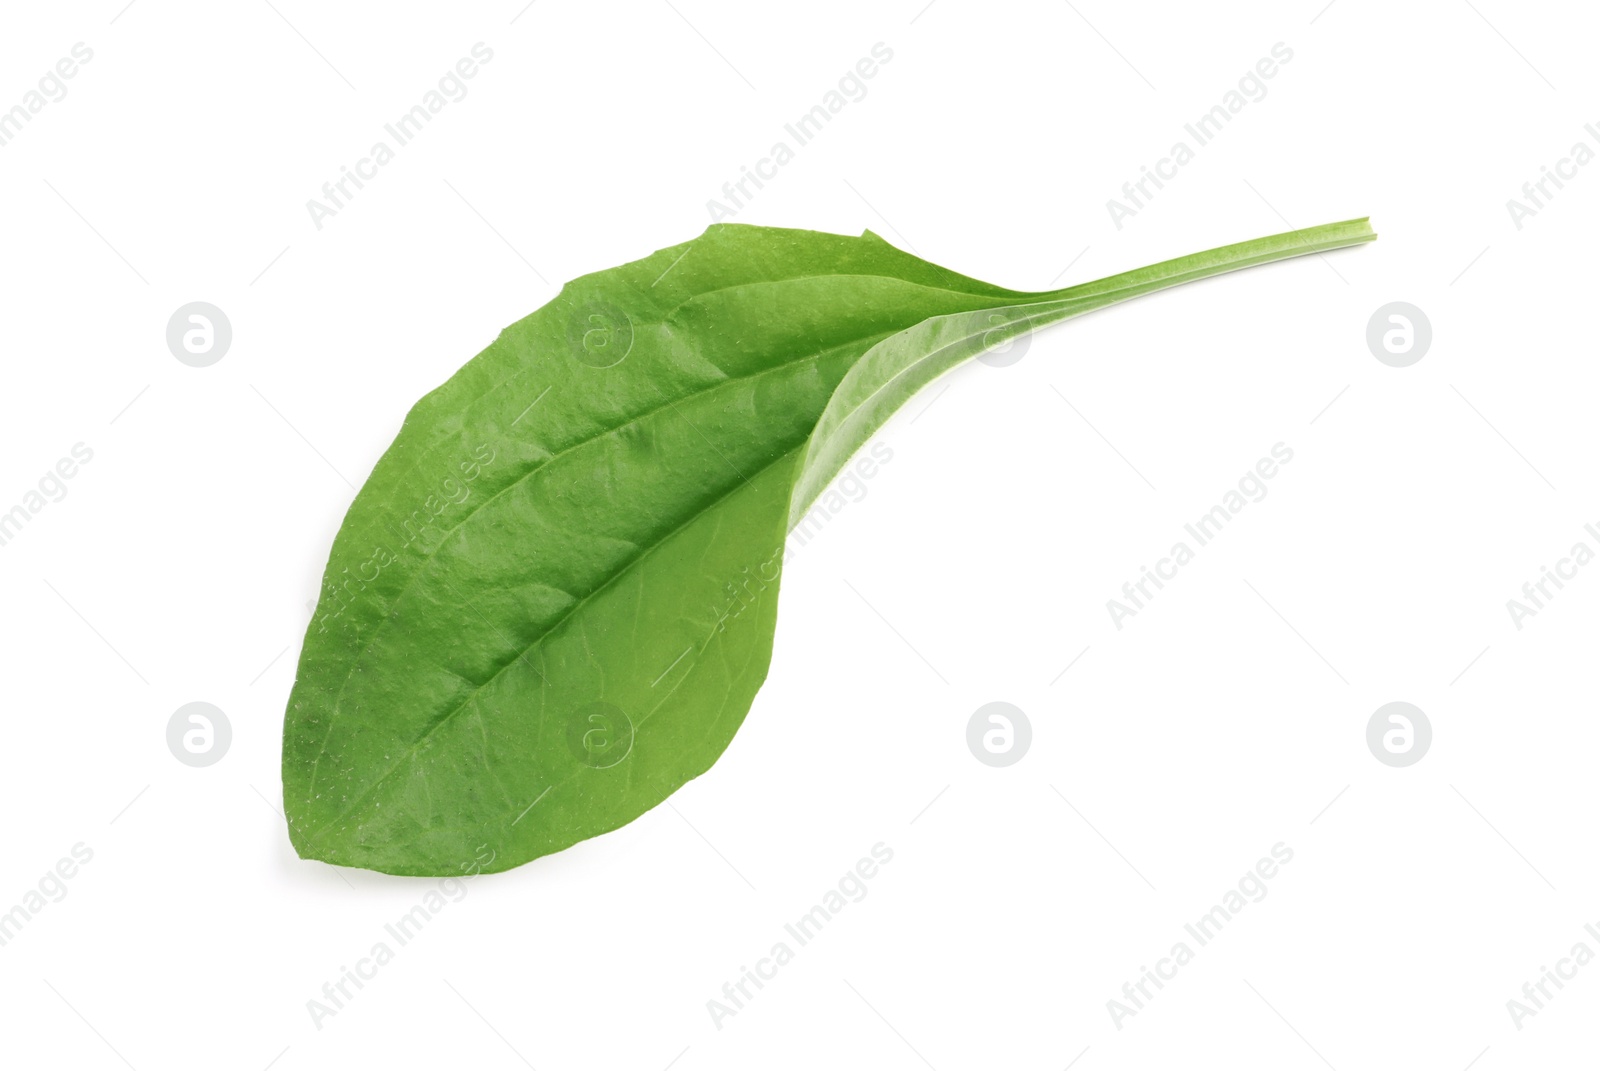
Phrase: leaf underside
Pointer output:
(553, 601)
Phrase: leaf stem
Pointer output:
(1225, 258)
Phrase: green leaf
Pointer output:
(553, 601)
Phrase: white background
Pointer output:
(1229, 715)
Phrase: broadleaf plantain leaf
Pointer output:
(553, 601)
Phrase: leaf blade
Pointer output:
(553, 601)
